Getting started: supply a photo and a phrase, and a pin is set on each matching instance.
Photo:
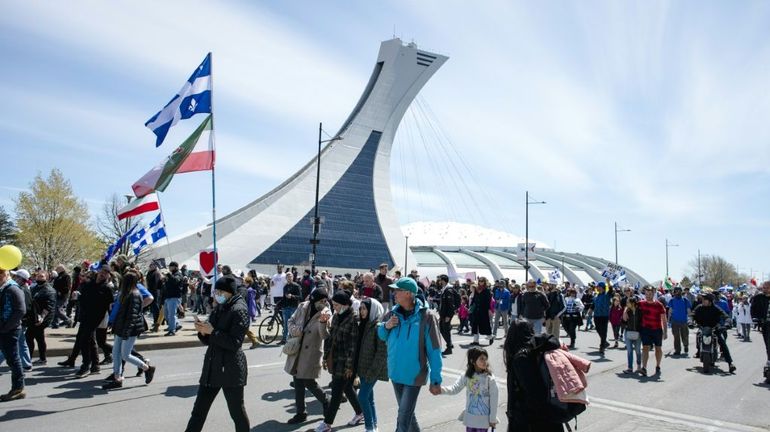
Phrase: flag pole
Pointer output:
(213, 177)
(163, 221)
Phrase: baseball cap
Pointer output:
(20, 273)
(405, 284)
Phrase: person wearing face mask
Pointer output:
(95, 301)
(311, 323)
(44, 297)
(340, 354)
(224, 365)
(372, 362)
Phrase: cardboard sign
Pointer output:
(614, 273)
(208, 259)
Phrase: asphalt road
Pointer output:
(681, 399)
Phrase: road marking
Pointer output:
(197, 373)
(647, 412)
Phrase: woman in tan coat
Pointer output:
(311, 323)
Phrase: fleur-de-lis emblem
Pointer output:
(193, 104)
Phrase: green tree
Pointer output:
(53, 224)
(7, 228)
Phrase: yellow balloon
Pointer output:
(10, 257)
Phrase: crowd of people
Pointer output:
(361, 329)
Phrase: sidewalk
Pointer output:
(61, 340)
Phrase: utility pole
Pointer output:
(616, 241)
(668, 245)
(699, 270)
(526, 233)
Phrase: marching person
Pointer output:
(310, 323)
(224, 365)
(480, 392)
(372, 365)
(44, 298)
(653, 328)
(573, 315)
(340, 354)
(449, 302)
(482, 312)
(12, 310)
(411, 332)
(128, 324)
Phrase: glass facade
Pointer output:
(350, 236)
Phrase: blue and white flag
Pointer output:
(149, 235)
(194, 98)
(555, 276)
(114, 248)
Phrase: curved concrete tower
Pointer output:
(360, 228)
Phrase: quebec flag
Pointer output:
(149, 235)
(193, 98)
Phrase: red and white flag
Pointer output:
(138, 206)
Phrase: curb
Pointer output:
(140, 346)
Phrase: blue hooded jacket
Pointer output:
(409, 362)
(602, 302)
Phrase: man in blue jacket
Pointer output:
(411, 332)
(502, 306)
(602, 313)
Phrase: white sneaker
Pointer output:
(356, 420)
(323, 427)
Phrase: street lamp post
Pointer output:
(316, 220)
(616, 240)
(668, 245)
(406, 254)
(526, 233)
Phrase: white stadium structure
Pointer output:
(360, 227)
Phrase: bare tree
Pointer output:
(110, 229)
(716, 271)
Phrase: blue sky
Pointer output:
(651, 114)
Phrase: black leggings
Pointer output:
(299, 393)
(36, 333)
(206, 396)
(601, 328)
(570, 325)
(340, 385)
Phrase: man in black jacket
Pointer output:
(172, 294)
(44, 297)
(449, 301)
(760, 312)
(709, 315)
(153, 280)
(95, 300)
(12, 310)
(534, 304)
(62, 284)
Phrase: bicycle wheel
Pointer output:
(269, 328)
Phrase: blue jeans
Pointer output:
(537, 325)
(171, 305)
(26, 359)
(287, 312)
(366, 399)
(631, 347)
(121, 351)
(9, 345)
(406, 397)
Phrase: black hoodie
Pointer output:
(528, 393)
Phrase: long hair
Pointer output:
(127, 284)
(473, 354)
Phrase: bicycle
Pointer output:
(270, 328)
